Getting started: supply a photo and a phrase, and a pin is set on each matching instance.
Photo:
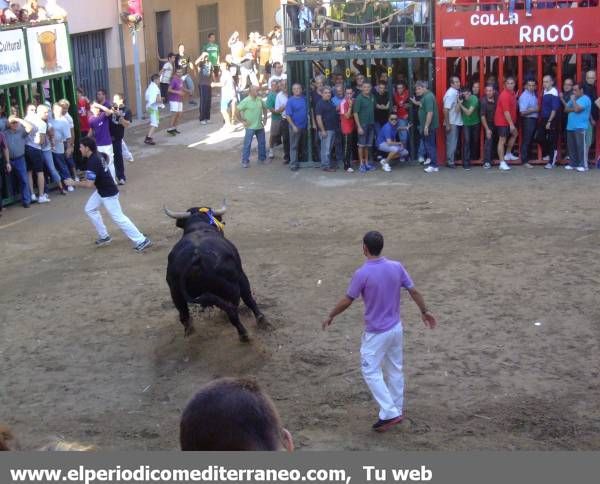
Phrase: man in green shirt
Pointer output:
(428, 123)
(469, 105)
(364, 117)
(214, 53)
(252, 113)
(275, 134)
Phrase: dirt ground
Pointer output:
(91, 348)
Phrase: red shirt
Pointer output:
(507, 101)
(83, 109)
(347, 125)
(400, 101)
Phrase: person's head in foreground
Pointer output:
(232, 414)
(372, 244)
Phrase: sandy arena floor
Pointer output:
(91, 347)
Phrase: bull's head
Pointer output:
(213, 216)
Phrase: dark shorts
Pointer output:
(34, 159)
(503, 131)
(366, 139)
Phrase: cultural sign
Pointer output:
(48, 47)
(498, 29)
(13, 61)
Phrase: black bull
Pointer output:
(205, 268)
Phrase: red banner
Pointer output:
(548, 27)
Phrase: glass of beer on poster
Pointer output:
(47, 41)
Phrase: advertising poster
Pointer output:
(13, 62)
(48, 50)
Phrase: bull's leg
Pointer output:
(234, 317)
(182, 306)
(231, 309)
(246, 293)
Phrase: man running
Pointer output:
(106, 194)
(379, 281)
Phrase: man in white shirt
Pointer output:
(452, 119)
(277, 74)
(280, 103)
(154, 101)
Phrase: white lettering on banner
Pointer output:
(492, 19)
(13, 64)
(399, 475)
(552, 33)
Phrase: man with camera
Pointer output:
(120, 119)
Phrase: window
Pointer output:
(164, 37)
(254, 16)
(208, 22)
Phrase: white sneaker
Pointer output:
(504, 166)
(427, 161)
(203, 122)
(548, 166)
(510, 157)
(421, 160)
(43, 199)
(34, 198)
(546, 158)
(76, 178)
(431, 169)
(70, 188)
(271, 155)
(568, 167)
(581, 169)
(386, 167)
(350, 170)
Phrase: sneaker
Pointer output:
(548, 166)
(294, 168)
(70, 188)
(350, 170)
(527, 165)
(370, 167)
(121, 181)
(528, 14)
(545, 158)
(487, 165)
(179, 132)
(33, 198)
(43, 198)
(386, 167)
(421, 160)
(383, 425)
(271, 154)
(427, 161)
(203, 121)
(451, 164)
(504, 166)
(569, 167)
(245, 165)
(431, 169)
(363, 169)
(172, 132)
(510, 157)
(143, 245)
(103, 241)
(581, 169)
(149, 141)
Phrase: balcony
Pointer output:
(340, 29)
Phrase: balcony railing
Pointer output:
(510, 6)
(358, 24)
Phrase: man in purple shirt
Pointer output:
(100, 131)
(379, 281)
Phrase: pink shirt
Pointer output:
(379, 281)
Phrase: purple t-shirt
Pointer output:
(379, 281)
(101, 126)
(176, 85)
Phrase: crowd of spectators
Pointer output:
(30, 11)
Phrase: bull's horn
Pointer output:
(221, 211)
(176, 215)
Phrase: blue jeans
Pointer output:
(403, 133)
(262, 146)
(19, 169)
(430, 148)
(511, 6)
(49, 164)
(326, 149)
(529, 126)
(451, 143)
(60, 162)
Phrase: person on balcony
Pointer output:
(511, 8)
(305, 23)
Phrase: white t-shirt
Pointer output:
(167, 73)
(151, 93)
(39, 128)
(280, 102)
(450, 103)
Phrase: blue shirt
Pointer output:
(528, 100)
(387, 132)
(580, 120)
(337, 101)
(550, 102)
(295, 110)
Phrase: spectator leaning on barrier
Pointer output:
(232, 414)
(487, 111)
(16, 135)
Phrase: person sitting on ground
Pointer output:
(232, 414)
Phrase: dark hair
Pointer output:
(89, 143)
(230, 414)
(154, 77)
(373, 242)
(212, 33)
(171, 54)
(509, 78)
